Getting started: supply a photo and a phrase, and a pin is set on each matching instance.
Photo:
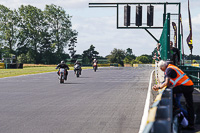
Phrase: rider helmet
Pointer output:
(62, 62)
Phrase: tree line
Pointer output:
(190, 56)
(118, 56)
(40, 36)
(127, 57)
(36, 36)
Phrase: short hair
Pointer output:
(162, 63)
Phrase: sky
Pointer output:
(97, 26)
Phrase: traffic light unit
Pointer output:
(150, 10)
(127, 15)
(138, 19)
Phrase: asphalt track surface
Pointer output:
(110, 100)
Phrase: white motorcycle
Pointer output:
(62, 74)
(95, 67)
(77, 70)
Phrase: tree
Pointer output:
(8, 28)
(89, 55)
(47, 54)
(190, 56)
(136, 61)
(25, 58)
(150, 58)
(5, 52)
(59, 27)
(129, 56)
(31, 27)
(117, 56)
(72, 46)
(77, 57)
(129, 51)
(127, 60)
(39, 35)
(144, 59)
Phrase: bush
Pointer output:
(143, 59)
(136, 62)
(194, 61)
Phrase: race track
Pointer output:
(110, 100)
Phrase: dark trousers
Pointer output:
(187, 93)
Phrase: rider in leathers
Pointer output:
(78, 63)
(95, 62)
(65, 66)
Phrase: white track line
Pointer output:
(146, 108)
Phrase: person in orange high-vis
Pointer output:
(181, 83)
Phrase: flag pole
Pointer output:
(191, 56)
(182, 50)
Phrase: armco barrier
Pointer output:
(2, 65)
(143, 65)
(160, 117)
(13, 65)
(114, 64)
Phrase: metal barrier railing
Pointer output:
(160, 118)
(193, 73)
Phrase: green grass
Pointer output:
(29, 70)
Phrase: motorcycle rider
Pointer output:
(78, 63)
(95, 62)
(65, 66)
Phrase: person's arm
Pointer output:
(160, 86)
(58, 66)
(158, 53)
(169, 73)
(166, 83)
(67, 67)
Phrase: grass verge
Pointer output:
(29, 70)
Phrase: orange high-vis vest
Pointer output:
(181, 78)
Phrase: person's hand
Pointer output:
(155, 88)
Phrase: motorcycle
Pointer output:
(77, 70)
(95, 67)
(61, 74)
